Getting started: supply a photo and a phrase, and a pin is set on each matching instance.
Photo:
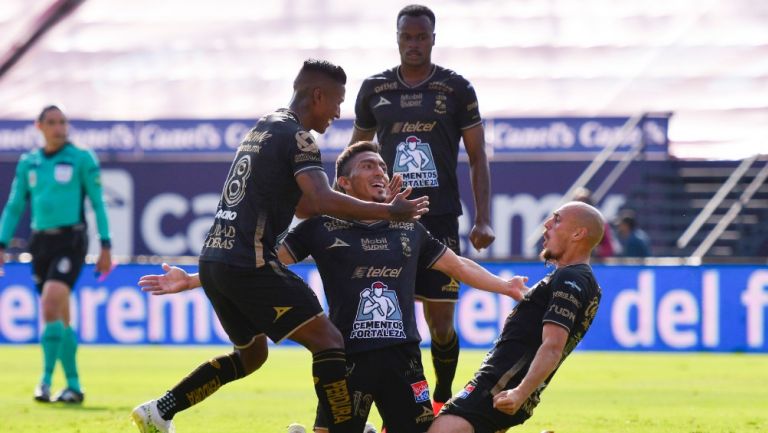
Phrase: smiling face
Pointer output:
(415, 39)
(367, 179)
(326, 105)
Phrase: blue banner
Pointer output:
(644, 308)
(221, 136)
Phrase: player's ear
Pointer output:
(343, 182)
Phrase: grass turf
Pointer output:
(593, 392)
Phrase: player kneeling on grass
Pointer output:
(368, 270)
(538, 334)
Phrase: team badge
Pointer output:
(63, 173)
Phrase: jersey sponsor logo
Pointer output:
(234, 187)
(441, 105)
(255, 137)
(221, 237)
(279, 311)
(568, 297)
(228, 215)
(472, 106)
(378, 314)
(305, 142)
(411, 127)
(411, 100)
(405, 243)
(375, 244)
(415, 163)
(464, 393)
(376, 272)
(62, 173)
(337, 243)
(392, 85)
(401, 225)
(382, 101)
(334, 225)
(563, 312)
(440, 86)
(572, 284)
(420, 391)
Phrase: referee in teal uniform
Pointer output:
(55, 180)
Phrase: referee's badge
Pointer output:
(63, 173)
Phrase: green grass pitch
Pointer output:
(593, 392)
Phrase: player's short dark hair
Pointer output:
(324, 67)
(416, 11)
(347, 154)
(45, 111)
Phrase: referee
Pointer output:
(55, 180)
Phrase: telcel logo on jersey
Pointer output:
(410, 127)
(376, 272)
(228, 215)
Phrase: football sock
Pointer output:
(68, 357)
(51, 342)
(201, 383)
(445, 358)
(329, 369)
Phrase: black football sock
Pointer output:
(329, 369)
(445, 358)
(201, 383)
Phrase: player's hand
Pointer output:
(481, 236)
(394, 187)
(517, 288)
(173, 281)
(509, 401)
(402, 209)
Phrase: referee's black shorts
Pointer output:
(269, 300)
(58, 254)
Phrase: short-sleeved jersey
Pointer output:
(368, 273)
(56, 185)
(419, 128)
(260, 194)
(568, 297)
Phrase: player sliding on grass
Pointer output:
(538, 335)
(253, 295)
(369, 272)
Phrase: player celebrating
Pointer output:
(254, 296)
(368, 270)
(538, 334)
(419, 112)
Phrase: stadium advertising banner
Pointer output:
(166, 208)
(504, 136)
(644, 308)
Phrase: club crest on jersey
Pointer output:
(415, 163)
(440, 106)
(378, 314)
(405, 243)
(63, 172)
(420, 391)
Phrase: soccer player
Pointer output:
(419, 112)
(538, 334)
(253, 294)
(369, 270)
(56, 179)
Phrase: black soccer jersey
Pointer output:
(419, 128)
(260, 194)
(368, 273)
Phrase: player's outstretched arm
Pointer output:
(319, 198)
(544, 363)
(173, 281)
(469, 272)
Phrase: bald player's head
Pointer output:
(588, 217)
(571, 233)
